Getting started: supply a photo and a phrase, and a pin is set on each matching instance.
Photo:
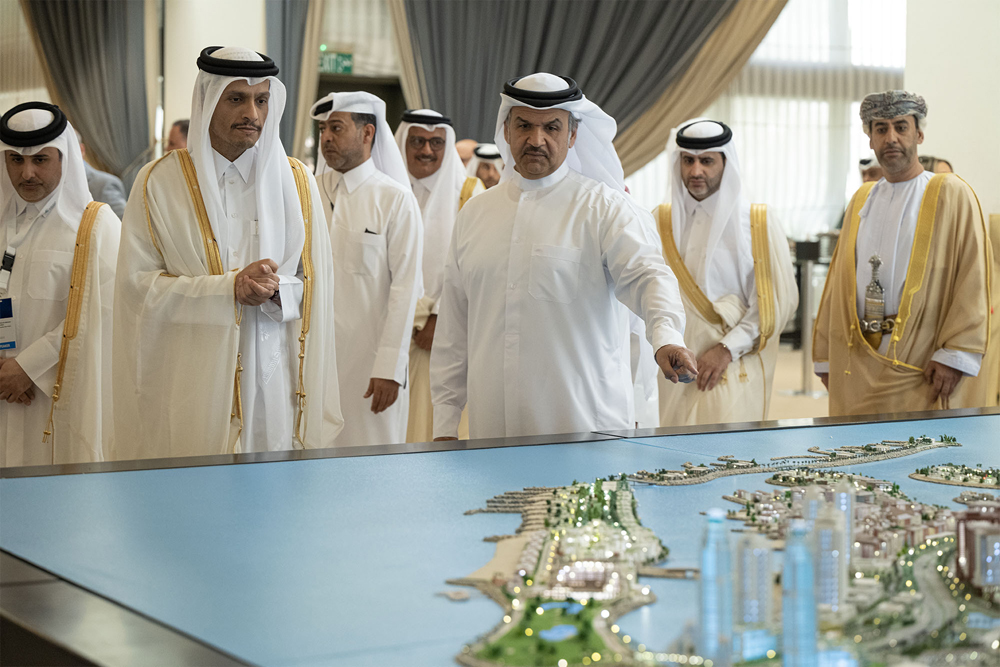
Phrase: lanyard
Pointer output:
(14, 241)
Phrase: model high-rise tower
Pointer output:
(754, 592)
(798, 612)
(716, 592)
(830, 561)
(843, 501)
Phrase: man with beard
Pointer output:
(376, 235)
(224, 326)
(736, 278)
(905, 316)
(534, 333)
(57, 283)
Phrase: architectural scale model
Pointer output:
(960, 475)
(568, 573)
(867, 575)
(816, 458)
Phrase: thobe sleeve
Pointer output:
(966, 362)
(404, 238)
(450, 352)
(39, 359)
(290, 295)
(642, 280)
(742, 337)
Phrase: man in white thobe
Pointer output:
(224, 303)
(736, 277)
(56, 291)
(427, 140)
(377, 239)
(533, 333)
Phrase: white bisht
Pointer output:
(181, 377)
(62, 287)
(533, 332)
(737, 280)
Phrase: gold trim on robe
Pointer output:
(468, 187)
(77, 284)
(684, 277)
(950, 232)
(305, 200)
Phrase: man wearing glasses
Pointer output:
(427, 141)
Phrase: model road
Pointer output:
(937, 607)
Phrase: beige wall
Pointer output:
(953, 60)
(190, 26)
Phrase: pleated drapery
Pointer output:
(94, 55)
(293, 33)
(622, 53)
(718, 62)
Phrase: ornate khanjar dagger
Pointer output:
(874, 306)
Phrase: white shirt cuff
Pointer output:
(390, 364)
(966, 362)
(39, 361)
(666, 335)
(738, 342)
(446, 419)
(290, 293)
(821, 367)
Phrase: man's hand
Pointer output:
(670, 357)
(944, 378)
(383, 393)
(825, 379)
(712, 365)
(257, 282)
(425, 337)
(15, 385)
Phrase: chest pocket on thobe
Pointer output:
(554, 274)
(363, 254)
(49, 275)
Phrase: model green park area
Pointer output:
(580, 548)
(549, 632)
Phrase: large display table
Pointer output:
(342, 557)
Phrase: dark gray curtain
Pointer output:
(622, 53)
(286, 29)
(94, 51)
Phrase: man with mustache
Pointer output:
(905, 317)
(533, 332)
(56, 290)
(427, 140)
(224, 328)
(376, 234)
(736, 278)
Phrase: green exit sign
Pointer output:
(331, 62)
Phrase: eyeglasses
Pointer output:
(417, 143)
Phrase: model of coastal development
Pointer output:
(828, 567)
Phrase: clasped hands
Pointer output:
(257, 283)
(15, 385)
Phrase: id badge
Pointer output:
(7, 325)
